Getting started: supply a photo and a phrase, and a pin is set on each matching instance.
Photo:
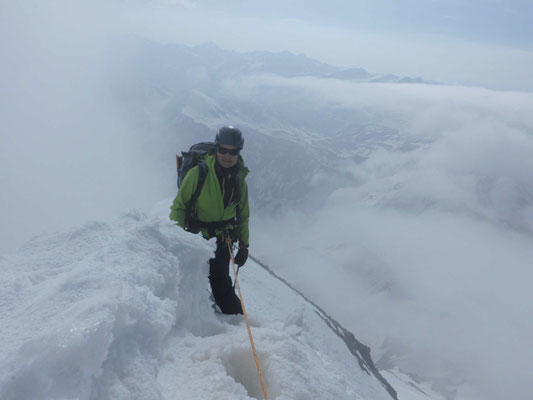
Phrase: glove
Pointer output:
(191, 225)
(242, 255)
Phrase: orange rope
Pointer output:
(228, 241)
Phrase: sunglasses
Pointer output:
(223, 150)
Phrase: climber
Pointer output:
(213, 200)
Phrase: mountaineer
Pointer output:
(213, 200)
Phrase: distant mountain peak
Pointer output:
(224, 62)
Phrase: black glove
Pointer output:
(191, 225)
(242, 255)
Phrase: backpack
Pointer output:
(192, 158)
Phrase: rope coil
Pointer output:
(228, 241)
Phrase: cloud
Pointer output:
(68, 154)
(430, 249)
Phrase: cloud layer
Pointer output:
(429, 251)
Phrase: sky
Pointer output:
(479, 43)
(502, 22)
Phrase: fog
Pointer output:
(429, 253)
(67, 154)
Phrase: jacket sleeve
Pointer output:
(179, 205)
(243, 216)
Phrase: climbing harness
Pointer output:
(228, 241)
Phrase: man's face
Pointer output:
(226, 160)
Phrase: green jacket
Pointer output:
(210, 205)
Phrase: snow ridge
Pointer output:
(120, 310)
(358, 349)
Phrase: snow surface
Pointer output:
(121, 310)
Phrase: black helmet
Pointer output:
(231, 136)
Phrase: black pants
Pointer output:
(221, 283)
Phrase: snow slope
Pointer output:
(120, 310)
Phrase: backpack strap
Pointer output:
(202, 175)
